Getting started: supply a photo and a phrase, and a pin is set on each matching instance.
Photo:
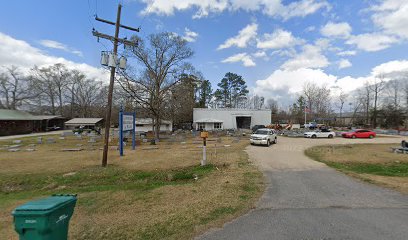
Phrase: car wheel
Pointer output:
(314, 136)
(252, 143)
(371, 136)
(330, 136)
(353, 137)
(268, 143)
(275, 141)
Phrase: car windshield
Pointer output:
(261, 132)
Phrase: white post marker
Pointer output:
(204, 136)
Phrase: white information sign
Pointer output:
(127, 122)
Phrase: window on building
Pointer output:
(200, 126)
(217, 125)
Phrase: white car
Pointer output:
(324, 133)
(264, 136)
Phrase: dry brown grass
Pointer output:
(374, 163)
(360, 153)
(172, 211)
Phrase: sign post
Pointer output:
(204, 136)
(127, 122)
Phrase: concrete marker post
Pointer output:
(204, 136)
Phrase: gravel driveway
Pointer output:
(305, 199)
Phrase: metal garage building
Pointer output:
(230, 118)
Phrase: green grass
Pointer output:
(386, 166)
(219, 212)
(21, 186)
(391, 170)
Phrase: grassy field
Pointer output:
(149, 193)
(371, 162)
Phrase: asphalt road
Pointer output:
(305, 199)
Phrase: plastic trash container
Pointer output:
(45, 219)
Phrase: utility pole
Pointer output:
(116, 41)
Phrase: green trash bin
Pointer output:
(45, 219)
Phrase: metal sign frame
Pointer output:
(121, 129)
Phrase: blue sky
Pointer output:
(276, 45)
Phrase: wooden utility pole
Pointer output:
(116, 41)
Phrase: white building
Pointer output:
(146, 125)
(230, 118)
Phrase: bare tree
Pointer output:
(162, 60)
(394, 89)
(272, 104)
(317, 99)
(87, 95)
(14, 88)
(342, 98)
(52, 82)
(376, 86)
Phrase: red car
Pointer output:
(360, 133)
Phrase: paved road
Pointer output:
(305, 199)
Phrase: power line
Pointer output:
(116, 40)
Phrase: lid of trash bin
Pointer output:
(46, 203)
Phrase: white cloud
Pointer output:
(301, 8)
(291, 52)
(273, 8)
(60, 46)
(240, 57)
(21, 54)
(331, 29)
(189, 35)
(278, 39)
(372, 42)
(310, 57)
(394, 69)
(259, 54)
(347, 53)
(392, 17)
(241, 40)
(166, 7)
(284, 84)
(344, 63)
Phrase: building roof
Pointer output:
(48, 117)
(16, 115)
(147, 121)
(208, 120)
(83, 121)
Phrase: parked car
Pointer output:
(256, 127)
(324, 133)
(264, 136)
(360, 133)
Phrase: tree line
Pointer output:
(160, 83)
(53, 90)
(379, 103)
